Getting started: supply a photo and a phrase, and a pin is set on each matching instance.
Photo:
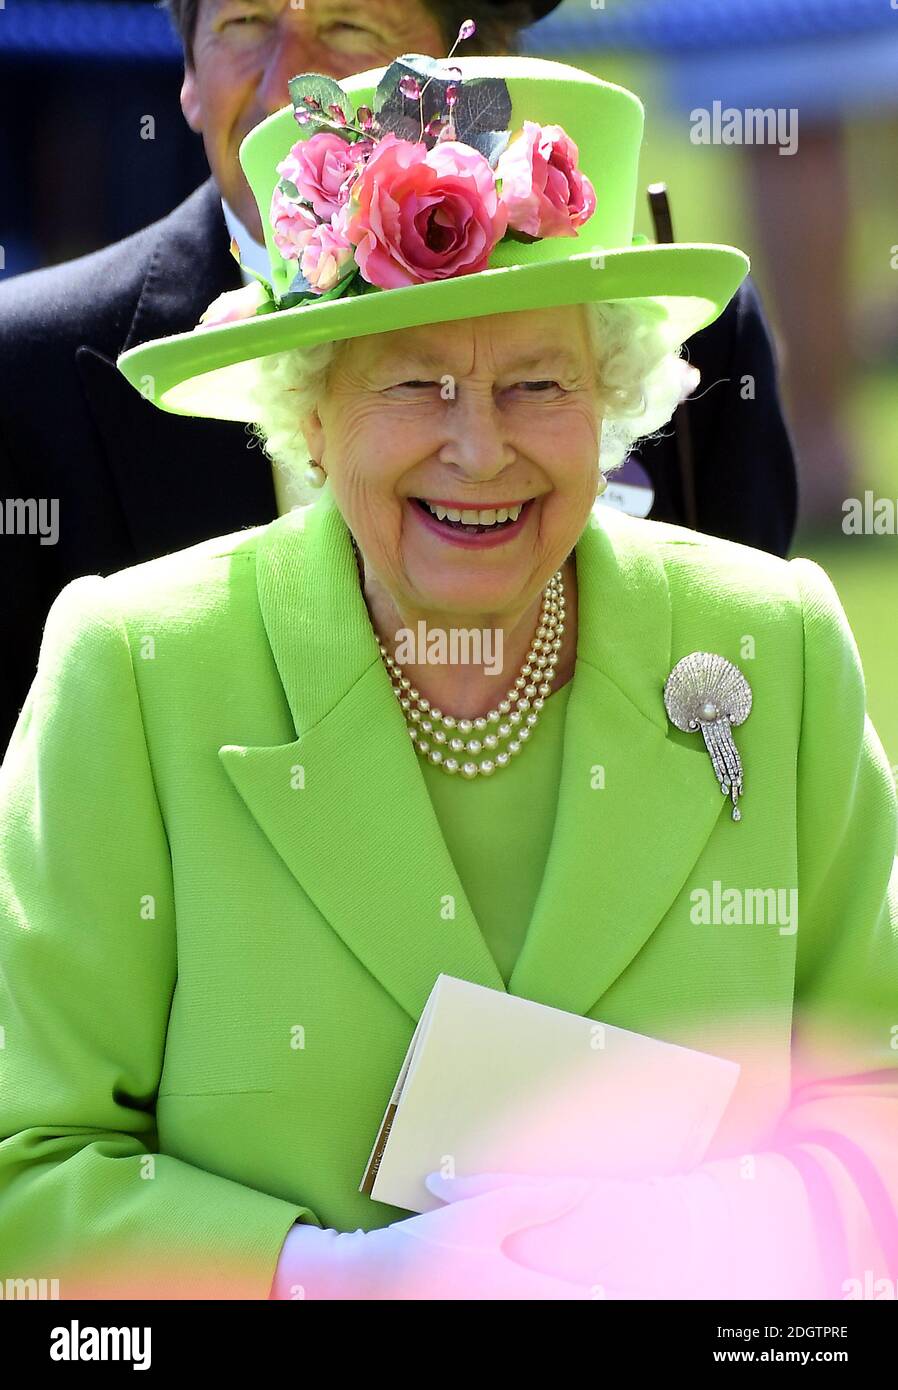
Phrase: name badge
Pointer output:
(629, 489)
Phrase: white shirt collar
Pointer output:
(252, 254)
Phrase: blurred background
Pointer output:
(820, 223)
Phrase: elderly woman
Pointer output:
(243, 791)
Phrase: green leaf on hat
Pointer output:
(266, 284)
(490, 143)
(326, 92)
(343, 285)
(301, 292)
(299, 284)
(483, 105)
(418, 65)
(401, 114)
(289, 190)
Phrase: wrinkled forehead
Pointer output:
(548, 336)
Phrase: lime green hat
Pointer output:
(435, 193)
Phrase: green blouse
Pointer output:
(498, 830)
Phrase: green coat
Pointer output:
(221, 884)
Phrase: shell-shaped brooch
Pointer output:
(705, 691)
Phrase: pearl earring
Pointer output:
(315, 475)
(603, 483)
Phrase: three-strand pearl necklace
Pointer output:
(455, 745)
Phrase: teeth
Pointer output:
(470, 517)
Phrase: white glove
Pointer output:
(708, 1234)
(454, 1252)
(625, 1239)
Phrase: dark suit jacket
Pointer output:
(133, 482)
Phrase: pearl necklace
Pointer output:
(435, 734)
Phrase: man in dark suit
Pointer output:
(132, 482)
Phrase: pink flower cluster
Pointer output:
(406, 214)
(419, 214)
(542, 188)
(234, 305)
(322, 170)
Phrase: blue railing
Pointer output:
(143, 33)
(681, 25)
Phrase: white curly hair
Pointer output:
(641, 379)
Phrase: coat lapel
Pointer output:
(635, 809)
(346, 806)
(189, 265)
(360, 834)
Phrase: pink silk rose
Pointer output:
(543, 191)
(418, 215)
(234, 305)
(322, 169)
(328, 253)
(292, 225)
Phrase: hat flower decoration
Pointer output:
(420, 186)
(428, 191)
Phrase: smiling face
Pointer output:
(473, 417)
(245, 52)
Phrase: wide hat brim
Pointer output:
(212, 373)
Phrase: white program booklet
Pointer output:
(495, 1083)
